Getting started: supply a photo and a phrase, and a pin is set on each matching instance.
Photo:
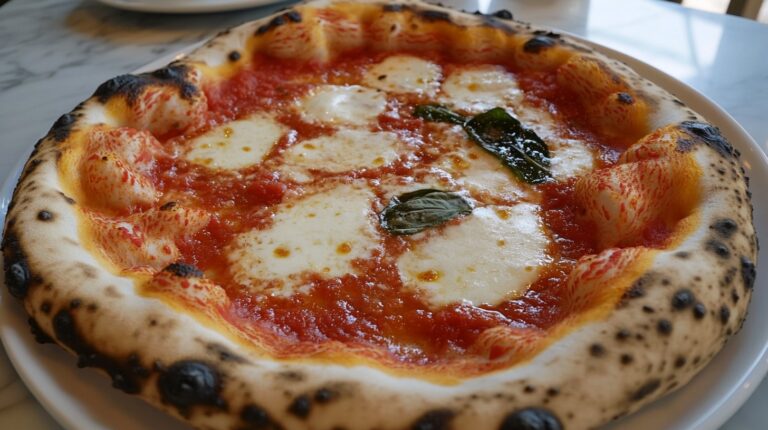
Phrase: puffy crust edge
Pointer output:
(672, 320)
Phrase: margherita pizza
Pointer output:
(385, 215)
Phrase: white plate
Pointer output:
(83, 399)
(186, 6)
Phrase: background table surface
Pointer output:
(53, 53)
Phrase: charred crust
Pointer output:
(131, 86)
(503, 14)
(626, 359)
(301, 406)
(234, 56)
(725, 227)
(44, 215)
(183, 270)
(17, 275)
(282, 19)
(255, 417)
(438, 419)
(664, 327)
(46, 307)
(168, 206)
(61, 129)
(293, 16)
(646, 389)
(596, 350)
(707, 134)
(37, 332)
(531, 419)
(434, 15)
(75, 303)
(748, 272)
(623, 334)
(682, 299)
(725, 314)
(680, 361)
(291, 375)
(718, 248)
(189, 383)
(223, 353)
(325, 395)
(537, 44)
(699, 311)
(67, 199)
(625, 98)
(392, 7)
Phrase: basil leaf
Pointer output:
(516, 146)
(438, 113)
(419, 210)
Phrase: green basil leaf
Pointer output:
(438, 113)
(516, 146)
(419, 210)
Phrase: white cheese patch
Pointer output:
(347, 149)
(404, 74)
(237, 144)
(321, 233)
(481, 88)
(343, 104)
(570, 158)
(493, 255)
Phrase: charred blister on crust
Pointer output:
(37, 332)
(17, 275)
(131, 86)
(503, 14)
(718, 248)
(190, 383)
(234, 56)
(184, 270)
(325, 395)
(748, 272)
(596, 350)
(683, 299)
(438, 419)
(699, 311)
(223, 353)
(725, 227)
(664, 327)
(708, 135)
(256, 418)
(301, 406)
(625, 98)
(45, 215)
(537, 44)
(434, 15)
(290, 16)
(531, 419)
(63, 126)
(725, 314)
(645, 390)
(392, 7)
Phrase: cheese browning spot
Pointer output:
(429, 276)
(281, 252)
(344, 248)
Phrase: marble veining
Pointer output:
(53, 54)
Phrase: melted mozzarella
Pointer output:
(321, 234)
(343, 104)
(479, 89)
(345, 150)
(570, 158)
(493, 255)
(404, 74)
(237, 144)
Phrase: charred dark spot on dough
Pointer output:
(699, 311)
(503, 14)
(648, 309)
(532, 418)
(680, 361)
(183, 270)
(291, 375)
(392, 7)
(748, 272)
(65, 330)
(223, 353)
(168, 206)
(282, 19)
(131, 86)
(645, 390)
(67, 199)
(37, 332)
(707, 134)
(301, 406)
(293, 16)
(75, 303)
(17, 275)
(552, 392)
(725, 314)
(664, 327)
(189, 383)
(61, 129)
(683, 299)
(725, 227)
(234, 56)
(626, 359)
(718, 248)
(623, 334)
(256, 418)
(434, 15)
(625, 98)
(537, 44)
(45, 307)
(596, 350)
(44, 215)
(87, 270)
(325, 395)
(438, 419)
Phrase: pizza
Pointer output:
(385, 215)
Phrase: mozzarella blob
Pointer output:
(479, 89)
(343, 104)
(404, 74)
(345, 150)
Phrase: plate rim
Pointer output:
(739, 390)
(185, 6)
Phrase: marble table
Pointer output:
(54, 52)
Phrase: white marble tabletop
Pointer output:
(53, 53)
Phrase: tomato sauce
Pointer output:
(370, 309)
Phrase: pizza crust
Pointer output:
(675, 309)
